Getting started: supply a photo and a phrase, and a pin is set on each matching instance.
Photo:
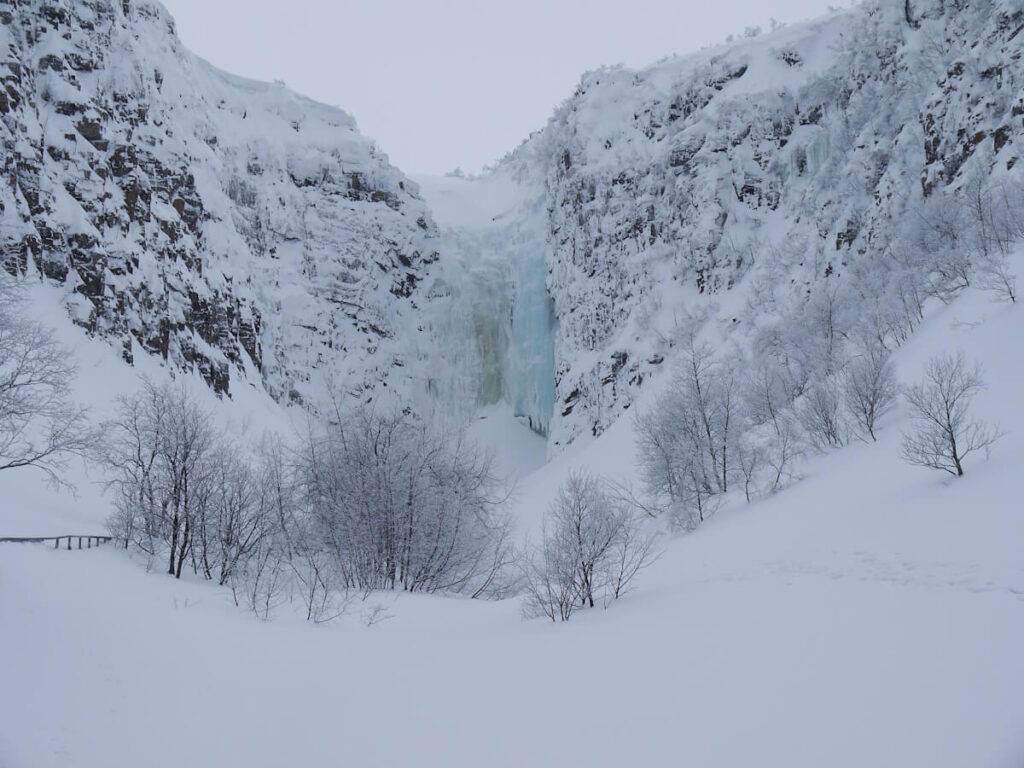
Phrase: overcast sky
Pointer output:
(459, 82)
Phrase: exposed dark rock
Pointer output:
(175, 270)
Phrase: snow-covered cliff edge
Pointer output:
(788, 162)
(225, 225)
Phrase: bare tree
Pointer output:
(499, 575)
(186, 463)
(129, 453)
(260, 580)
(996, 275)
(160, 454)
(685, 441)
(275, 564)
(821, 416)
(40, 426)
(659, 454)
(750, 459)
(938, 241)
(766, 393)
(239, 516)
(997, 217)
(707, 390)
(825, 320)
(293, 558)
(943, 433)
(674, 463)
(550, 583)
(631, 551)
(869, 388)
(585, 526)
(593, 547)
(782, 452)
(897, 288)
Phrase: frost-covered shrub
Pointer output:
(402, 505)
(368, 502)
(594, 544)
(869, 388)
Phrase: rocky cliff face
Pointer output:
(237, 229)
(805, 149)
(230, 227)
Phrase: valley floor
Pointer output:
(870, 615)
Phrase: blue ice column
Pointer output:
(530, 380)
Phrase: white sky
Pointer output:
(458, 82)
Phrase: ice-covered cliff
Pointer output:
(226, 225)
(780, 162)
(238, 229)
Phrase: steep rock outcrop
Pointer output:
(226, 225)
(806, 148)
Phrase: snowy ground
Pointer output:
(871, 615)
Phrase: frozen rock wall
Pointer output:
(228, 226)
(803, 149)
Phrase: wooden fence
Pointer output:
(87, 538)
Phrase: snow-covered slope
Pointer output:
(224, 225)
(870, 615)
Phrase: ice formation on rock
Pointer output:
(237, 229)
(492, 317)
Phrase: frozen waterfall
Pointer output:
(492, 318)
(529, 379)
